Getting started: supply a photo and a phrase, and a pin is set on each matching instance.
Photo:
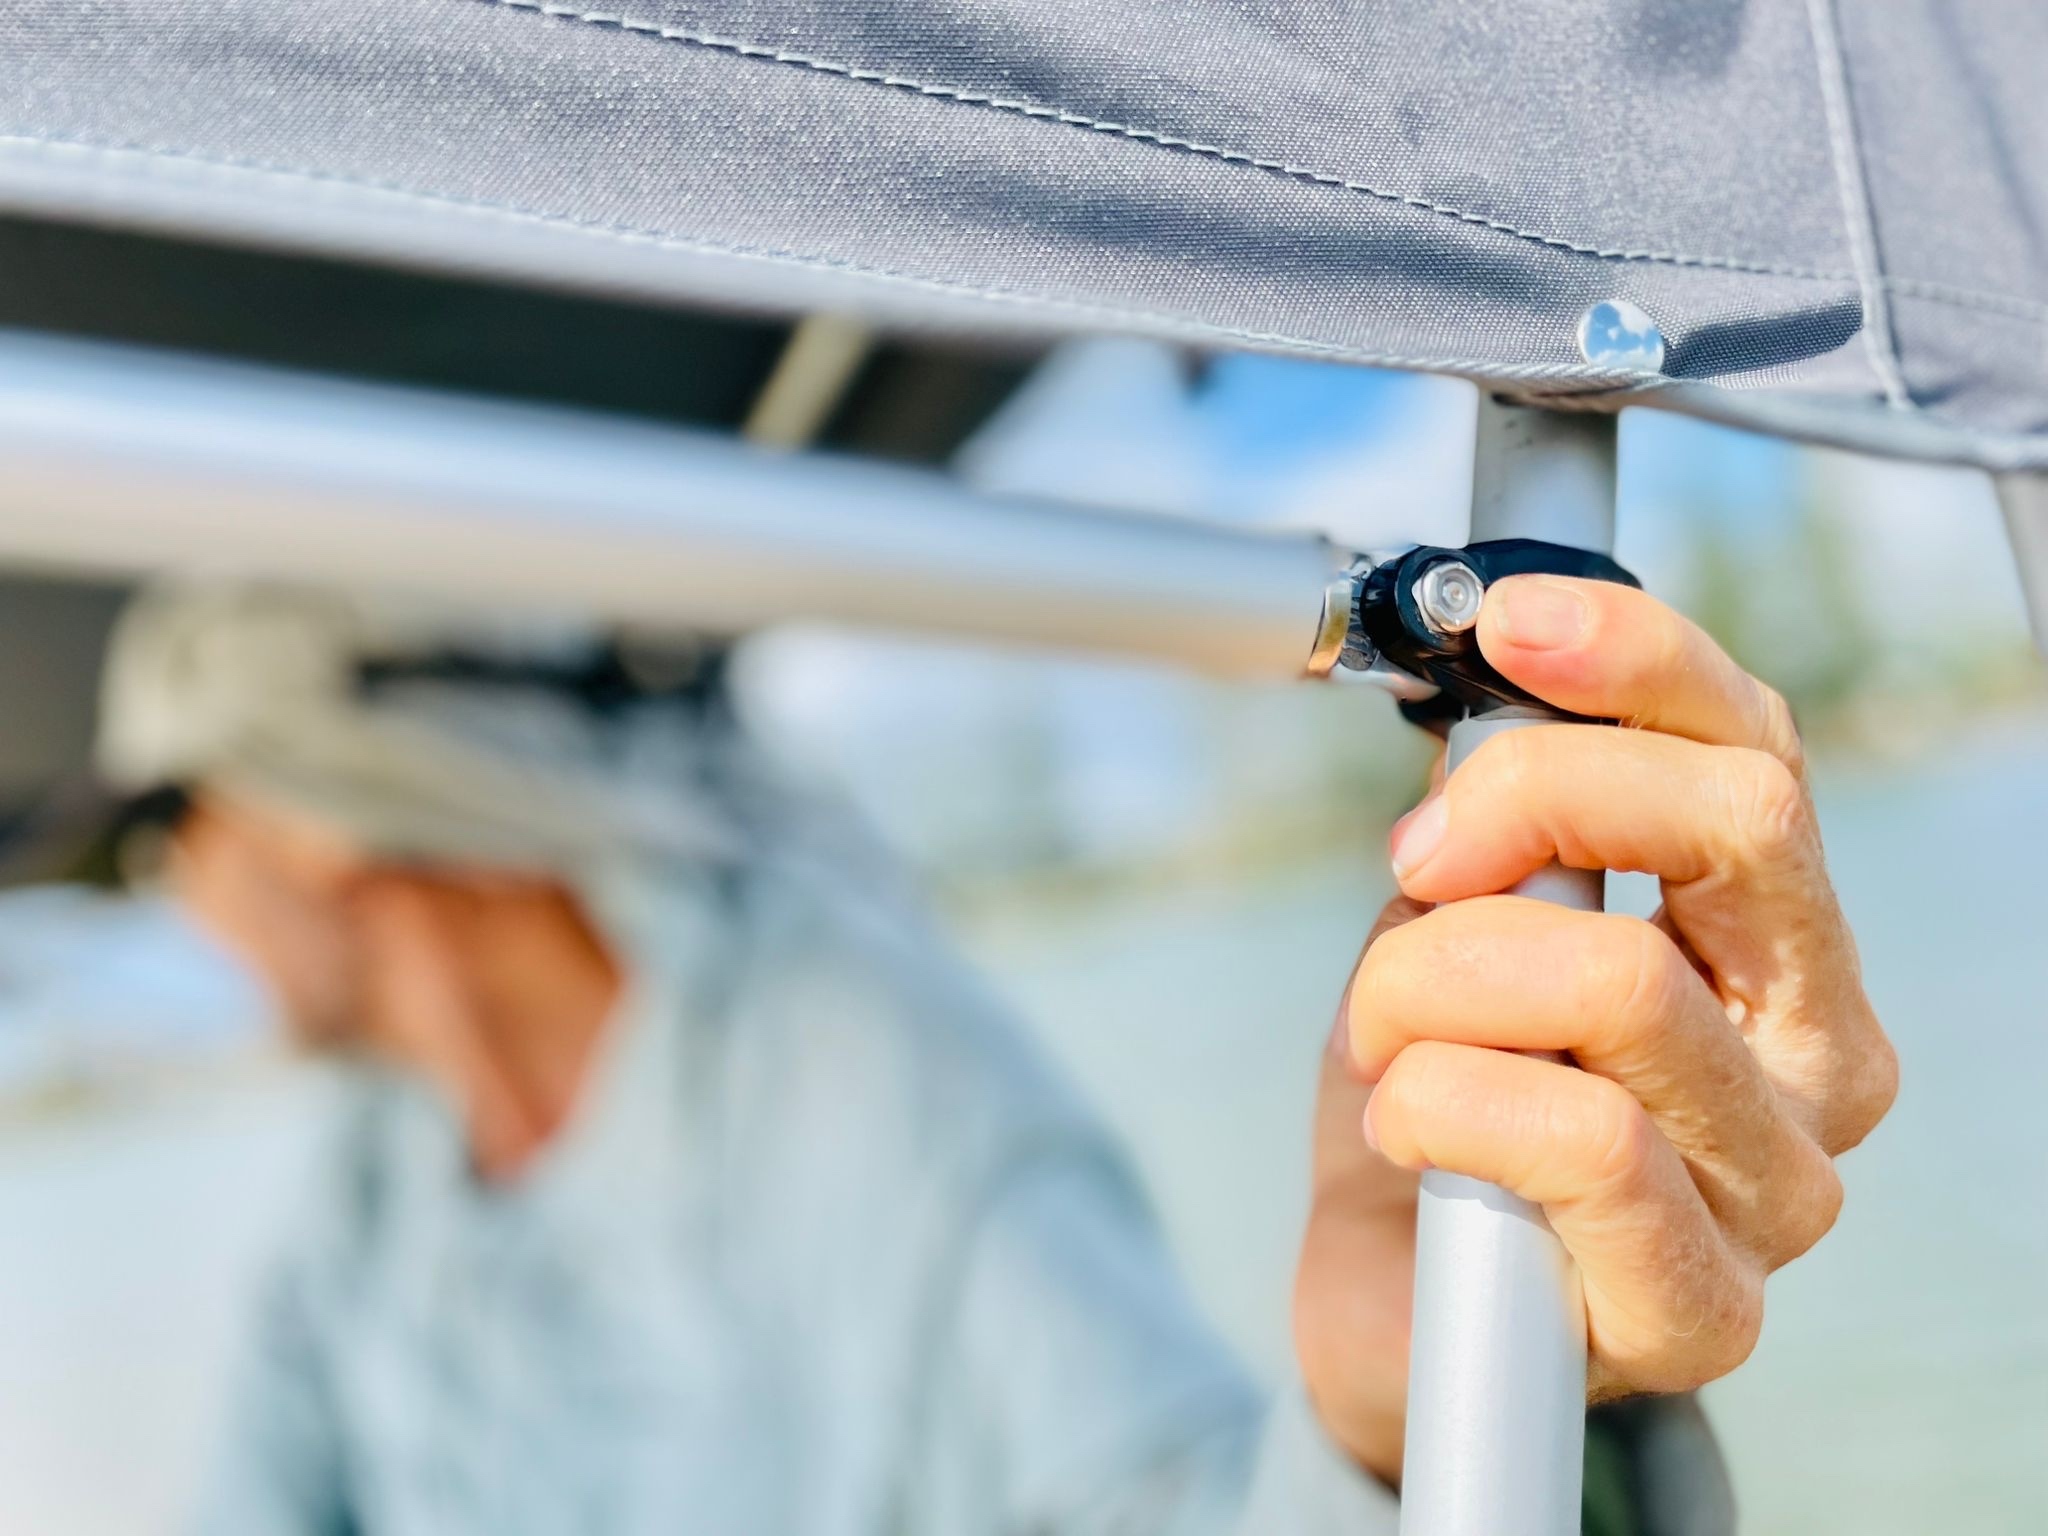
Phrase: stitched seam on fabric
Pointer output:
(1940, 293)
(619, 22)
(1564, 386)
(1578, 373)
(1967, 298)
(1857, 218)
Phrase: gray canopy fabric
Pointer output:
(1835, 211)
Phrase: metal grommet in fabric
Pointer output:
(1616, 334)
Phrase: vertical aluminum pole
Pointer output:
(1497, 1368)
(2025, 499)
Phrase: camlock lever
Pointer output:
(1415, 613)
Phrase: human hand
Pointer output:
(1723, 1052)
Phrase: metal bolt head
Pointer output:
(1448, 595)
(1616, 334)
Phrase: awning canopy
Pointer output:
(1834, 211)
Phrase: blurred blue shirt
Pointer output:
(827, 1249)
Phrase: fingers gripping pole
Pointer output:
(1497, 1367)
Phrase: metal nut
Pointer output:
(1448, 595)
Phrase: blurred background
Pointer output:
(1170, 878)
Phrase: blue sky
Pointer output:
(1262, 416)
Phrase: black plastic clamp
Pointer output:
(1389, 623)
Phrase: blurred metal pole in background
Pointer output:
(2025, 500)
(1497, 1367)
(124, 461)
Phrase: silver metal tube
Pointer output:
(2025, 500)
(1497, 1367)
(125, 461)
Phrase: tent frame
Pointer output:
(122, 461)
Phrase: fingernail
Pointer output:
(1372, 1137)
(1541, 615)
(1340, 1038)
(1418, 835)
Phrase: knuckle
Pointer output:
(1396, 1089)
(1772, 812)
(1738, 1325)
(1780, 731)
(1634, 979)
(1872, 1089)
(1824, 1207)
(1713, 1327)
(1407, 1090)
(1374, 1003)
(1620, 1140)
(1812, 1208)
